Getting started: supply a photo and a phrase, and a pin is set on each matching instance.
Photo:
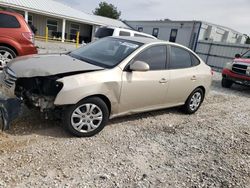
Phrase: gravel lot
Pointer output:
(157, 149)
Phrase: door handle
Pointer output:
(193, 78)
(163, 81)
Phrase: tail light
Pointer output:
(29, 36)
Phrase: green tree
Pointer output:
(107, 10)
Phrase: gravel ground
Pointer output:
(157, 149)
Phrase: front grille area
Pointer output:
(241, 69)
(9, 77)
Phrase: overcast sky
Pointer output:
(231, 13)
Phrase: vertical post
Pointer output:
(26, 16)
(63, 30)
(77, 39)
(46, 34)
(93, 32)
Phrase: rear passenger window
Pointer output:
(155, 57)
(8, 21)
(180, 58)
(195, 60)
(124, 33)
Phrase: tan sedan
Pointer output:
(108, 78)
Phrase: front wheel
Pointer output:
(194, 101)
(86, 118)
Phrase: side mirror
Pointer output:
(237, 56)
(139, 66)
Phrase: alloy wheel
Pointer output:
(5, 57)
(195, 101)
(86, 118)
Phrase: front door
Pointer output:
(146, 90)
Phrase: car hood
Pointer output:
(242, 60)
(48, 65)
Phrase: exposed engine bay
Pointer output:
(38, 91)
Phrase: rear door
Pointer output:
(183, 74)
(146, 90)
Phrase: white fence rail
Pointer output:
(216, 54)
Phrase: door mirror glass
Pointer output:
(237, 56)
(139, 66)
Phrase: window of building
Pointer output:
(30, 19)
(155, 57)
(52, 25)
(140, 29)
(180, 58)
(155, 32)
(173, 35)
(124, 33)
(8, 21)
(74, 28)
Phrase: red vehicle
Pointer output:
(238, 71)
(16, 37)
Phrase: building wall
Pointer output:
(188, 31)
(216, 33)
(186, 34)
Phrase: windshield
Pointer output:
(246, 55)
(107, 52)
(104, 32)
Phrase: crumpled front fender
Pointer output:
(10, 109)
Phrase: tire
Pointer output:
(194, 101)
(86, 118)
(6, 55)
(226, 83)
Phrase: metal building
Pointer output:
(188, 33)
(63, 22)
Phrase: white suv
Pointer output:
(115, 31)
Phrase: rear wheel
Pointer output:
(226, 83)
(6, 55)
(194, 101)
(86, 118)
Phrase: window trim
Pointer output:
(190, 53)
(51, 24)
(170, 36)
(126, 68)
(156, 28)
(140, 29)
(30, 21)
(74, 28)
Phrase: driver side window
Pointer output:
(155, 57)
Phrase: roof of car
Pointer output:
(144, 40)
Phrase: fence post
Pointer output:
(209, 51)
(47, 34)
(77, 39)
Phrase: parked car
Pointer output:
(238, 71)
(108, 78)
(16, 37)
(116, 31)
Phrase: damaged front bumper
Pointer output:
(10, 109)
(10, 106)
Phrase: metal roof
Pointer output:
(60, 10)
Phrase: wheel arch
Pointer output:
(105, 99)
(10, 46)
